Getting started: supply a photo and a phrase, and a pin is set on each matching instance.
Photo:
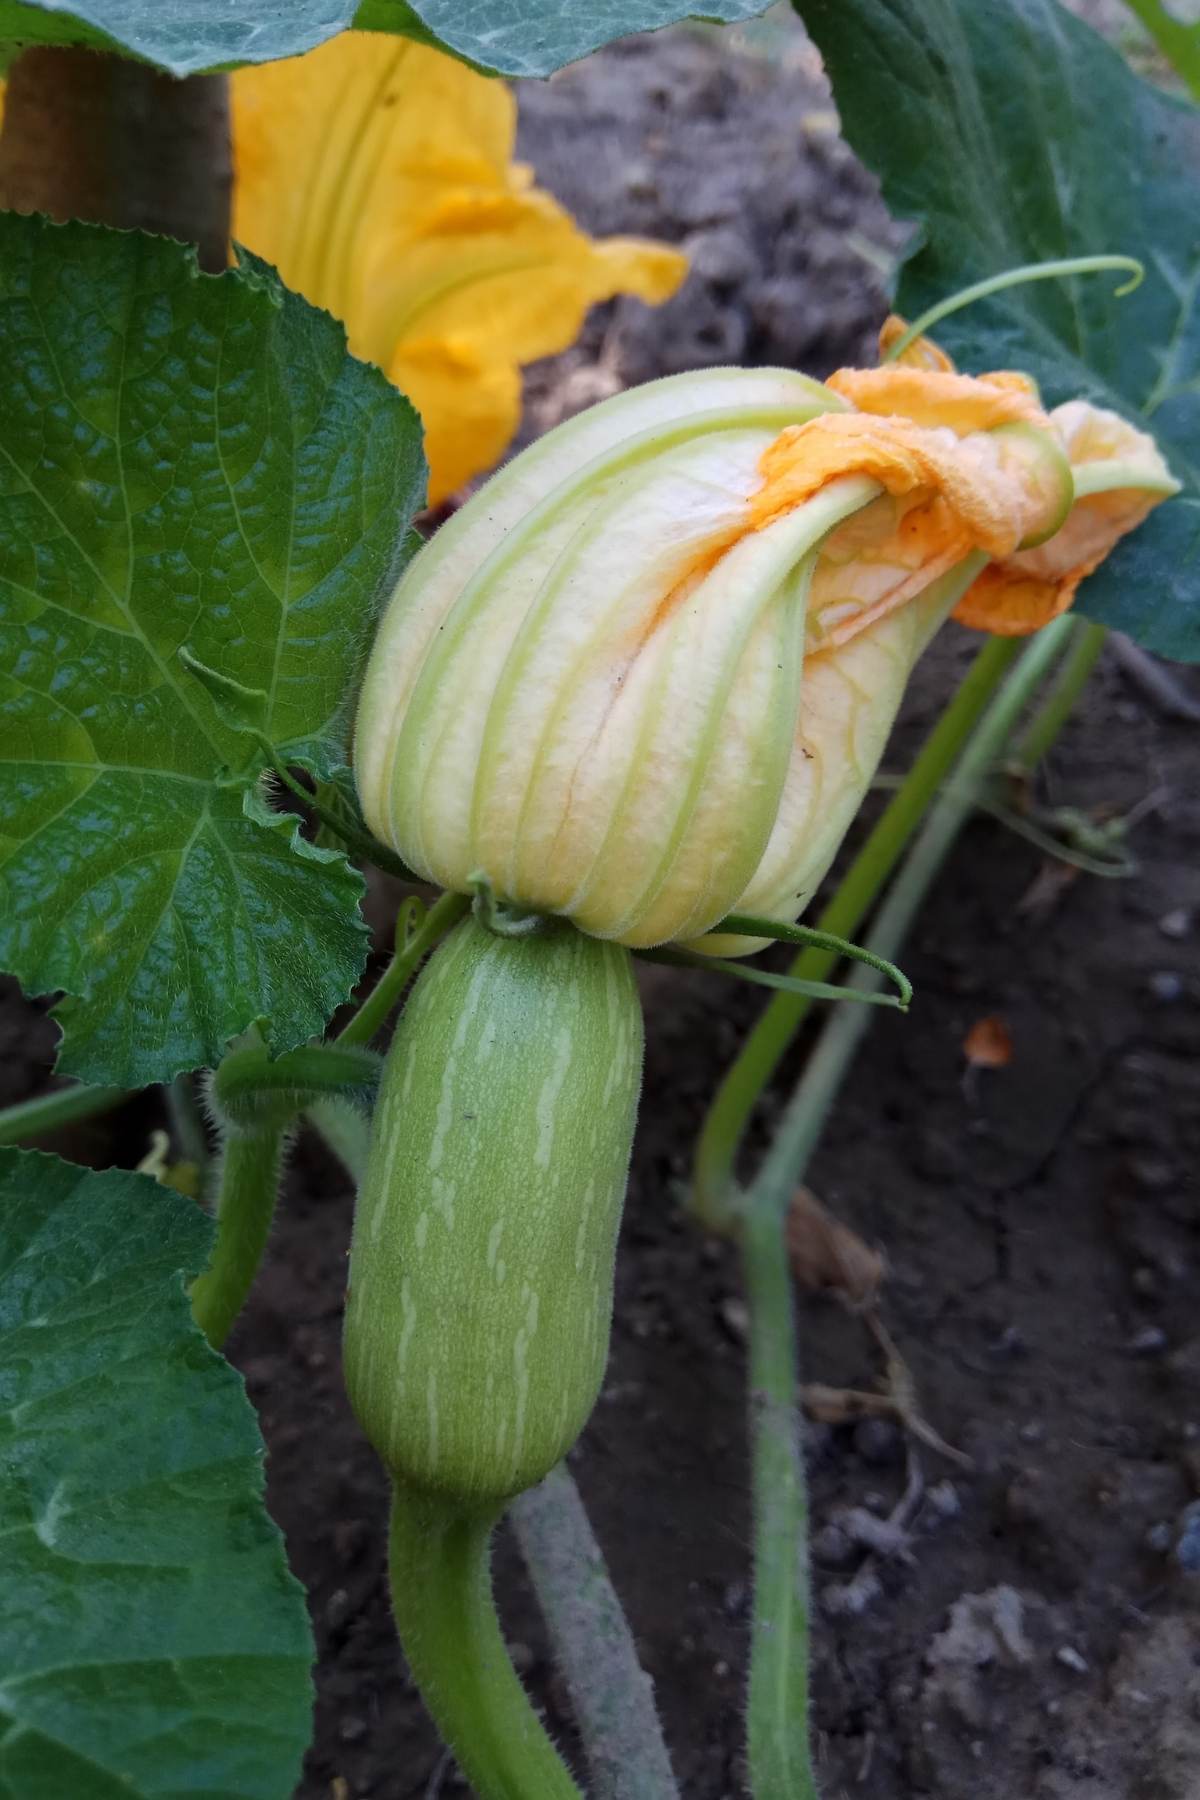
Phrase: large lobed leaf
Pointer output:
(511, 37)
(152, 1643)
(1013, 133)
(187, 463)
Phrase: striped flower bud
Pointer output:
(644, 676)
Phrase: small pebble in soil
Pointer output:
(1160, 1537)
(1176, 923)
(1032, 1431)
(1165, 985)
(1151, 1340)
(336, 1607)
(1070, 1658)
(735, 1318)
(943, 1500)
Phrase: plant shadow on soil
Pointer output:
(1036, 1633)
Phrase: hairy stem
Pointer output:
(735, 1099)
(372, 1014)
(612, 1696)
(251, 1165)
(253, 1090)
(63, 1106)
(778, 1724)
(777, 1716)
(92, 136)
(1087, 641)
(442, 1598)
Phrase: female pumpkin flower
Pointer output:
(377, 176)
(644, 677)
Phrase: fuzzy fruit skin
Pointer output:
(481, 1268)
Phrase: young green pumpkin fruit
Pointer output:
(480, 1297)
(482, 1262)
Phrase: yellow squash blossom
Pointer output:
(643, 678)
(377, 176)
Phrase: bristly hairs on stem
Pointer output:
(1010, 278)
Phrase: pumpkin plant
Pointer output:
(626, 701)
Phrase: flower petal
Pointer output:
(987, 489)
(377, 175)
(940, 397)
(1119, 477)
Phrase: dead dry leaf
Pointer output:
(826, 1256)
(988, 1044)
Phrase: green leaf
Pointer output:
(1014, 134)
(510, 37)
(182, 36)
(187, 463)
(530, 37)
(152, 1642)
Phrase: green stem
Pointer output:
(442, 1598)
(611, 1695)
(778, 1725)
(252, 1091)
(777, 1715)
(372, 1014)
(1087, 641)
(739, 1092)
(251, 1164)
(64, 1106)
(1179, 43)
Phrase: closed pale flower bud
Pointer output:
(644, 676)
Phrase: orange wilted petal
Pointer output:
(1126, 476)
(988, 490)
(988, 1044)
(940, 397)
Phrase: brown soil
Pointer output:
(1039, 1631)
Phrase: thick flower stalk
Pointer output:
(643, 678)
(378, 176)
